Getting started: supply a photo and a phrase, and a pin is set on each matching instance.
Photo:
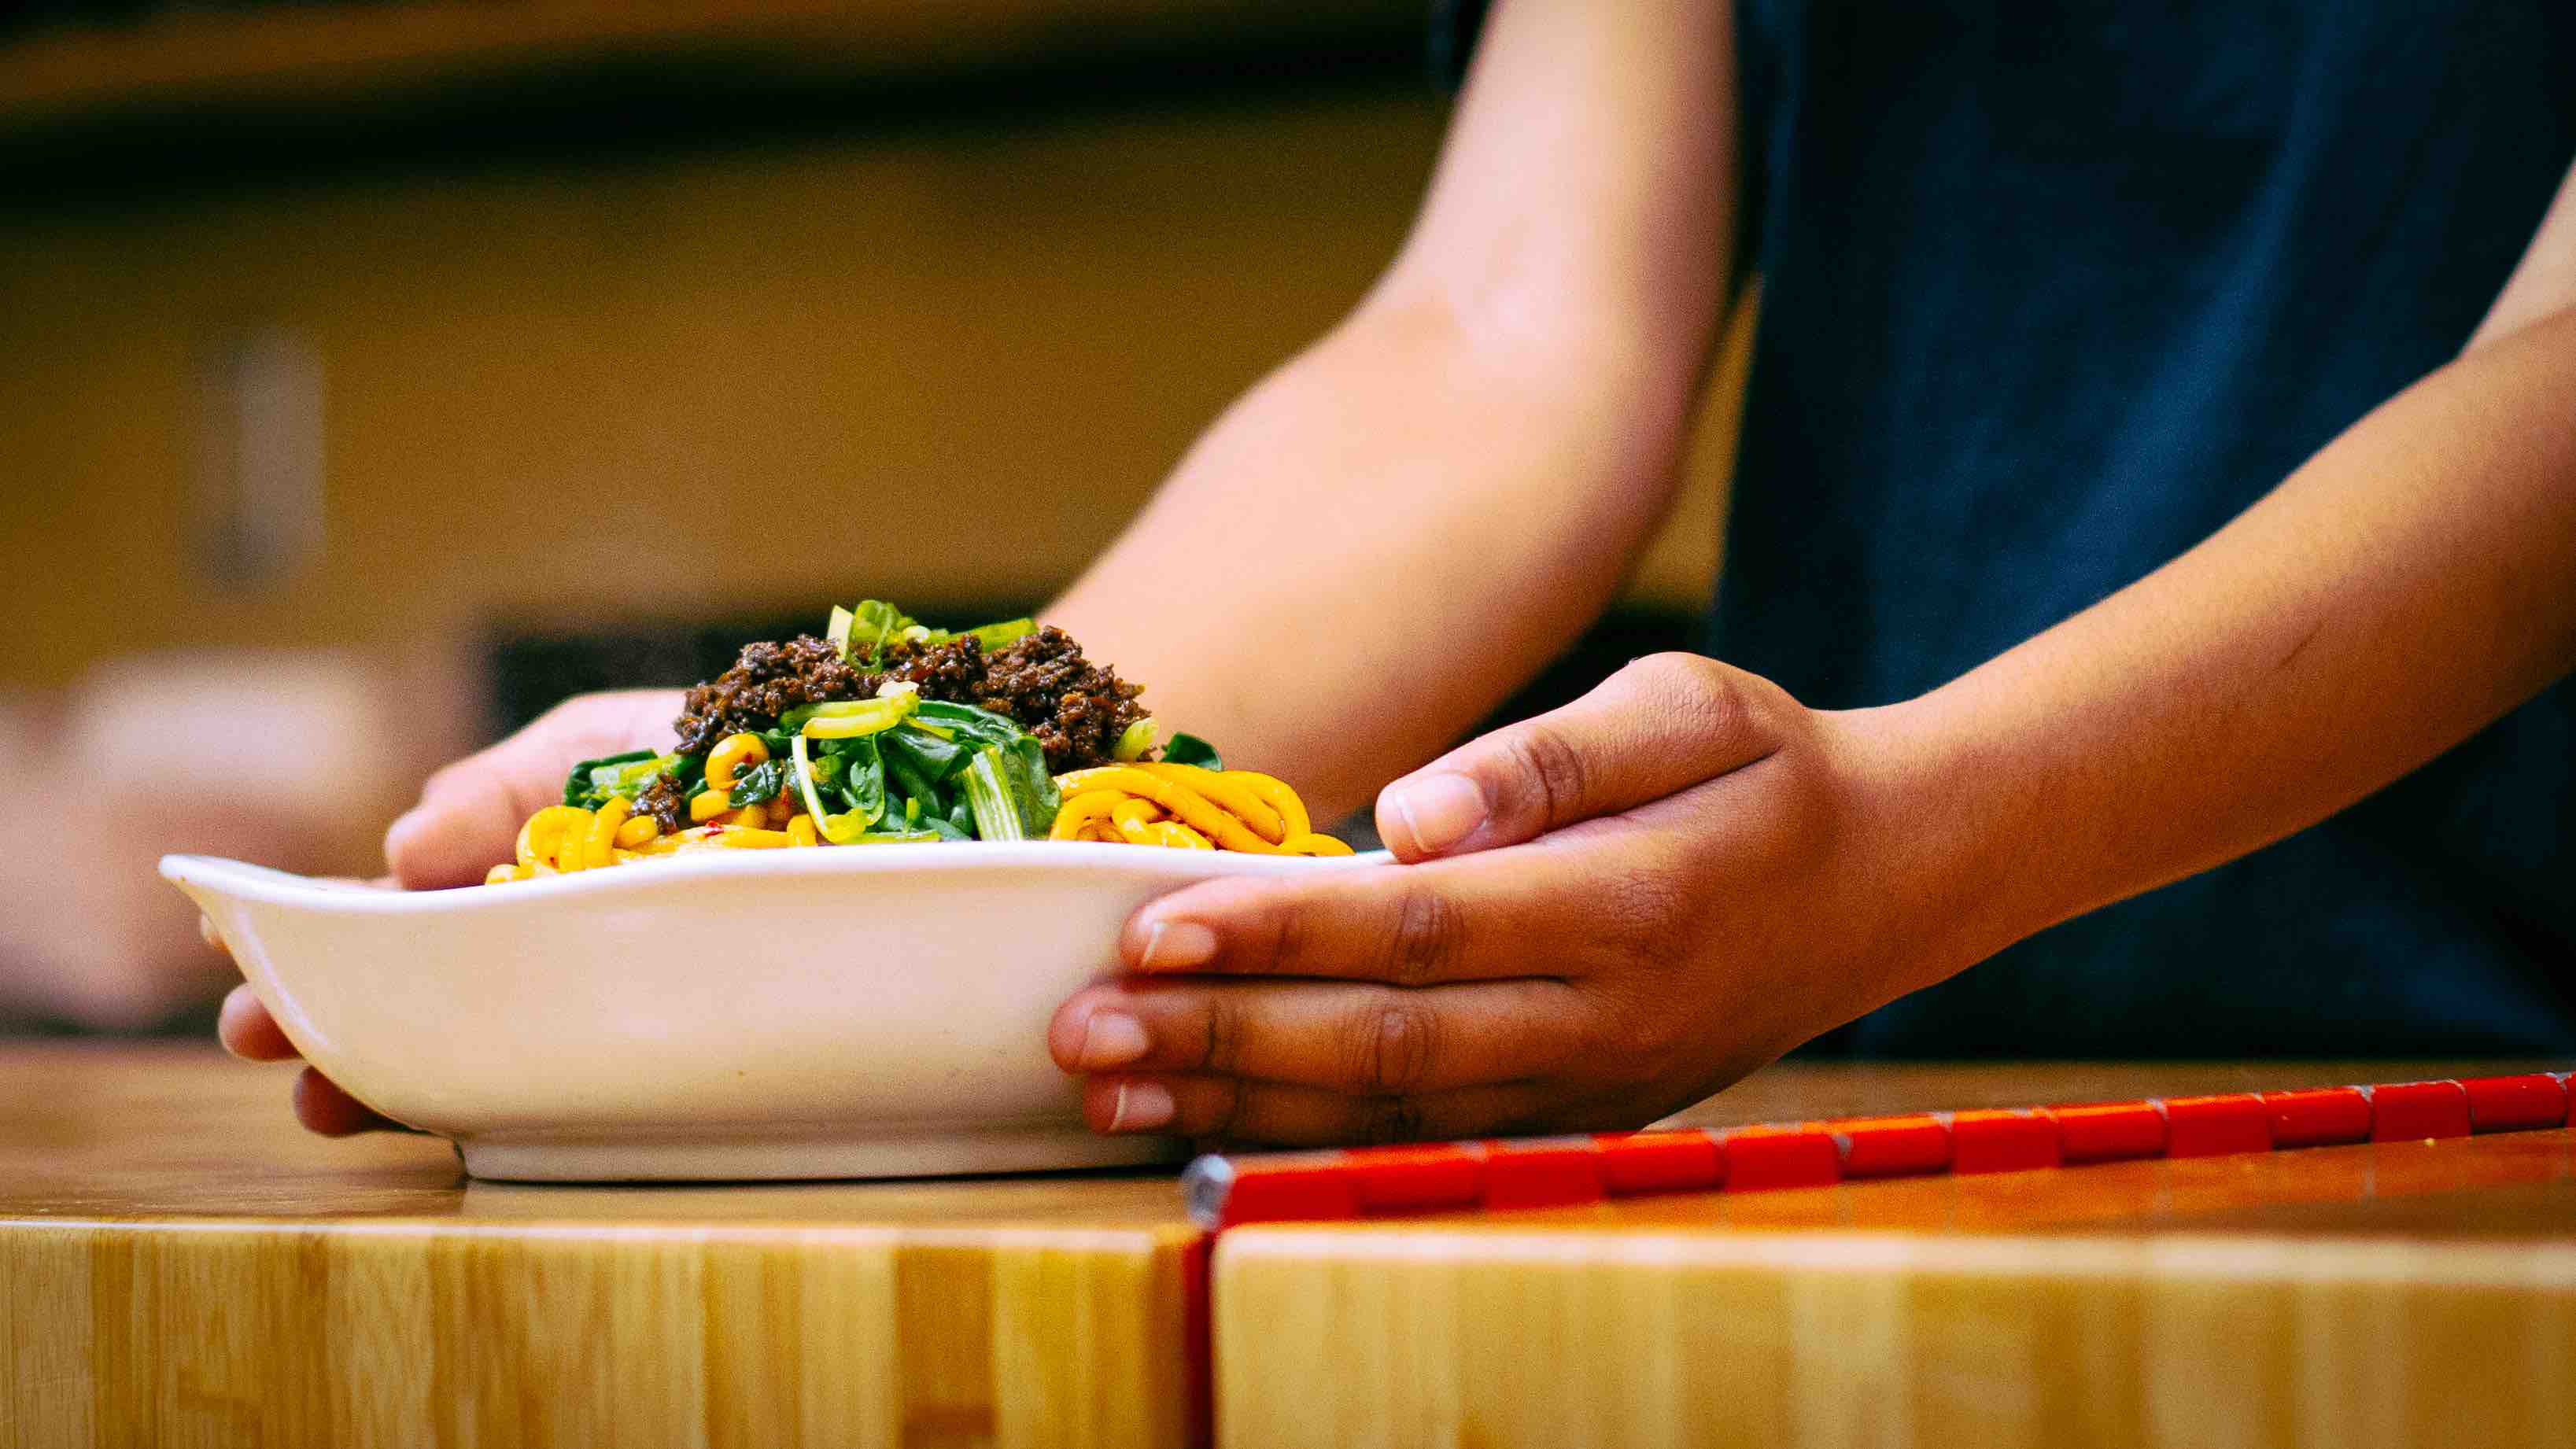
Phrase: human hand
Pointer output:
(1604, 914)
(468, 816)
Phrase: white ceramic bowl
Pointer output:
(875, 1011)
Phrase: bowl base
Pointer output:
(717, 1158)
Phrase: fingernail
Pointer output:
(1112, 1039)
(1438, 811)
(1177, 946)
(1141, 1107)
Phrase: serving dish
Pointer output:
(875, 1011)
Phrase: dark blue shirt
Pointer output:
(2050, 293)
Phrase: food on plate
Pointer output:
(883, 730)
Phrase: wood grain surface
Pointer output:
(180, 1265)
(2412, 1293)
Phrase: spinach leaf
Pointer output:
(907, 771)
(761, 782)
(865, 786)
(918, 754)
(968, 723)
(1191, 750)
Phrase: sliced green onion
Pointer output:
(805, 780)
(1134, 741)
(994, 636)
(849, 719)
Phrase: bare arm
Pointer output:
(2410, 583)
(1612, 910)
(1405, 522)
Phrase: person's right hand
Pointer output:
(466, 822)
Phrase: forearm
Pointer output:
(1377, 545)
(2412, 582)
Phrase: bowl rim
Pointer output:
(247, 881)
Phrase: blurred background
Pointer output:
(374, 374)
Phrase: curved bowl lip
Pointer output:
(246, 881)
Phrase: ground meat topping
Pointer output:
(667, 801)
(764, 683)
(1076, 710)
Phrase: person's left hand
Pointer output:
(1604, 914)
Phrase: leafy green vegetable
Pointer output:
(997, 815)
(585, 786)
(1186, 749)
(593, 782)
(865, 787)
(761, 782)
(874, 623)
(966, 721)
(915, 763)
(1009, 792)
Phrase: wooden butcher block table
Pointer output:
(180, 1265)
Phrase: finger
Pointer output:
(1662, 724)
(470, 812)
(324, 1109)
(1355, 1038)
(1491, 917)
(246, 1029)
(1232, 1109)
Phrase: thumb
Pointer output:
(1662, 724)
(470, 812)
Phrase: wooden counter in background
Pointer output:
(180, 1264)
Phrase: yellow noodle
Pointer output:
(1231, 792)
(1187, 805)
(602, 837)
(1082, 812)
(1275, 793)
(639, 830)
(541, 840)
(1312, 844)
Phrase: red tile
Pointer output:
(1198, 1343)
(1312, 1188)
(1644, 1162)
(2107, 1131)
(2213, 1126)
(1891, 1146)
(2408, 1111)
(1542, 1172)
(2002, 1142)
(1762, 1157)
(2515, 1104)
(2318, 1116)
(1414, 1179)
